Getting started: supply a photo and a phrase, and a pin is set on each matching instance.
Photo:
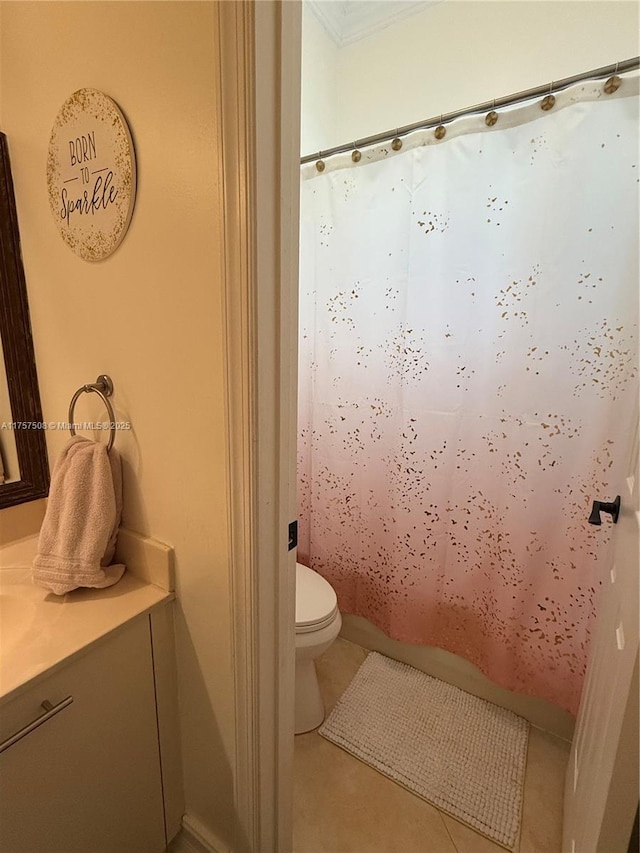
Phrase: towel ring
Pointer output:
(103, 387)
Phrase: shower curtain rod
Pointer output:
(527, 94)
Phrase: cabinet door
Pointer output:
(88, 779)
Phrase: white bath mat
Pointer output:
(460, 753)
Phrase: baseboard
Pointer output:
(454, 670)
(194, 837)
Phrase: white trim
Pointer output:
(347, 22)
(286, 405)
(260, 45)
(277, 98)
(195, 838)
(237, 152)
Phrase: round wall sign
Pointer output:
(91, 174)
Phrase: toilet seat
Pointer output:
(316, 601)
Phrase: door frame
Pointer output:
(260, 60)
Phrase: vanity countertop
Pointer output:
(40, 630)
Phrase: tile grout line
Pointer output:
(446, 829)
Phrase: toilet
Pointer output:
(318, 623)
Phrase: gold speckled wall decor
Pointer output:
(468, 384)
(91, 174)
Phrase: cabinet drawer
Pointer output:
(88, 777)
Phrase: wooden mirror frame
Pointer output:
(19, 356)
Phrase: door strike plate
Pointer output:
(293, 534)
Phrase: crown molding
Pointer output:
(348, 21)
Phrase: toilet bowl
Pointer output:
(318, 623)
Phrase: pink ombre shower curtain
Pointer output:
(468, 378)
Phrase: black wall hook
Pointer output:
(613, 508)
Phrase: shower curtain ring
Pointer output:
(491, 117)
(440, 130)
(613, 83)
(396, 143)
(548, 101)
(355, 154)
(320, 162)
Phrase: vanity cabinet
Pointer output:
(87, 778)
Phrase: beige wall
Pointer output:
(320, 57)
(453, 55)
(150, 315)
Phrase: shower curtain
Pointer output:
(468, 374)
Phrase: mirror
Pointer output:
(22, 449)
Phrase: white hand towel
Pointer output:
(80, 528)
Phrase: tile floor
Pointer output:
(342, 805)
